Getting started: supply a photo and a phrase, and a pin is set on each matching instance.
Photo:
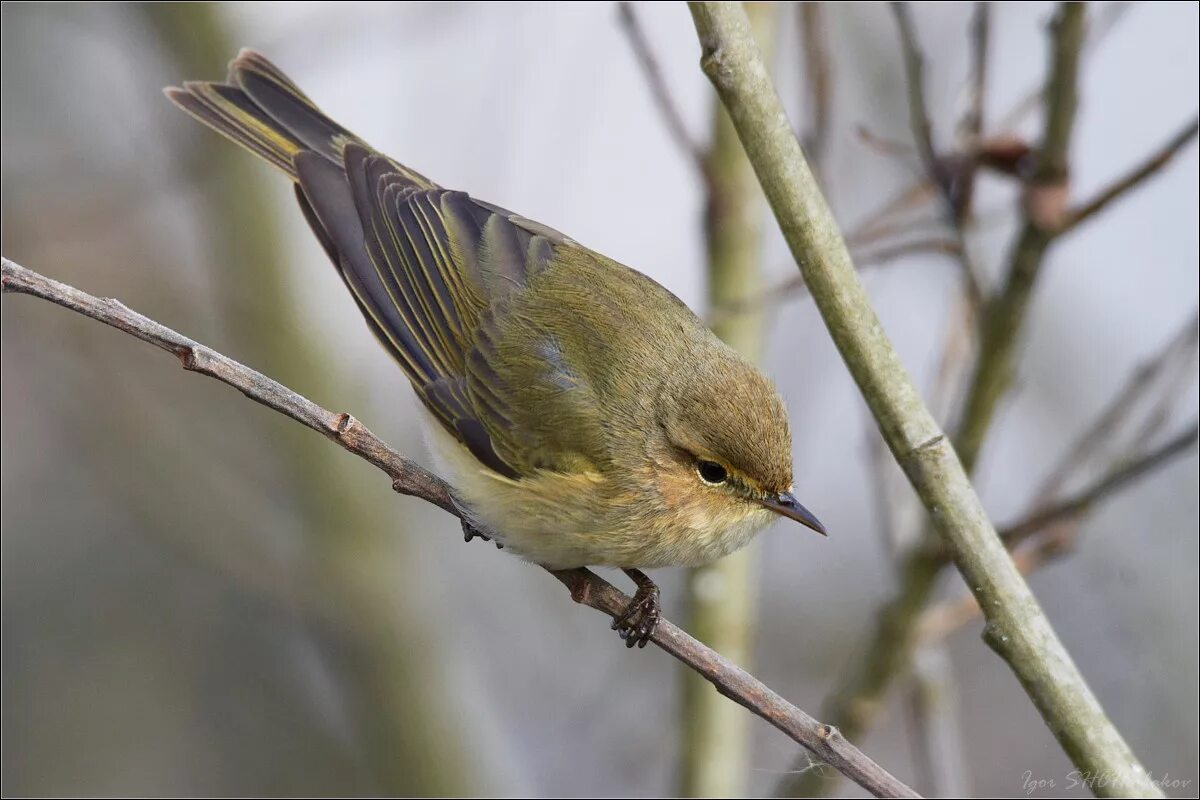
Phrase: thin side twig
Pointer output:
(970, 127)
(1145, 170)
(409, 478)
(663, 100)
(914, 70)
(794, 287)
(1117, 478)
(1173, 357)
(1062, 520)
(1105, 23)
(952, 175)
(818, 72)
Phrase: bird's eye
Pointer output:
(711, 472)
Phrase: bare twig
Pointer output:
(794, 287)
(883, 145)
(1062, 520)
(878, 224)
(952, 175)
(410, 478)
(1103, 25)
(818, 73)
(914, 67)
(938, 737)
(1117, 478)
(970, 127)
(659, 91)
(1179, 350)
(1134, 178)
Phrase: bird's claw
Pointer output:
(637, 622)
(471, 532)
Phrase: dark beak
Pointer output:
(785, 505)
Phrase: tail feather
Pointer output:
(262, 110)
(249, 60)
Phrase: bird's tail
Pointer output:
(262, 110)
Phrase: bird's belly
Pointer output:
(562, 538)
(563, 521)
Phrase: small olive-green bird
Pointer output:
(583, 414)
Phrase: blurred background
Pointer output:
(202, 597)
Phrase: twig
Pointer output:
(1117, 478)
(1063, 520)
(659, 91)
(876, 225)
(1104, 24)
(1134, 178)
(914, 67)
(819, 79)
(952, 175)
(883, 145)
(410, 478)
(1049, 513)
(794, 287)
(1180, 348)
(938, 740)
(860, 690)
(970, 127)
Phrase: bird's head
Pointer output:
(726, 443)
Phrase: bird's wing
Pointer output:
(431, 270)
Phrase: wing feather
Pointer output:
(435, 273)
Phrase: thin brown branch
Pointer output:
(953, 174)
(794, 287)
(937, 734)
(883, 145)
(408, 477)
(877, 224)
(1103, 25)
(818, 72)
(914, 69)
(1117, 478)
(1148, 168)
(1062, 520)
(651, 71)
(970, 127)
(1180, 350)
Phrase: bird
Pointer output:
(584, 415)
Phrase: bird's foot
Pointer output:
(637, 622)
(471, 532)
